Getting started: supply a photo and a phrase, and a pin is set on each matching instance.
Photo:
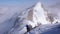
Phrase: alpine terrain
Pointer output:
(34, 20)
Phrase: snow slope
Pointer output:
(46, 29)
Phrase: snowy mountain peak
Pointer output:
(38, 6)
(34, 15)
(39, 13)
(39, 16)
